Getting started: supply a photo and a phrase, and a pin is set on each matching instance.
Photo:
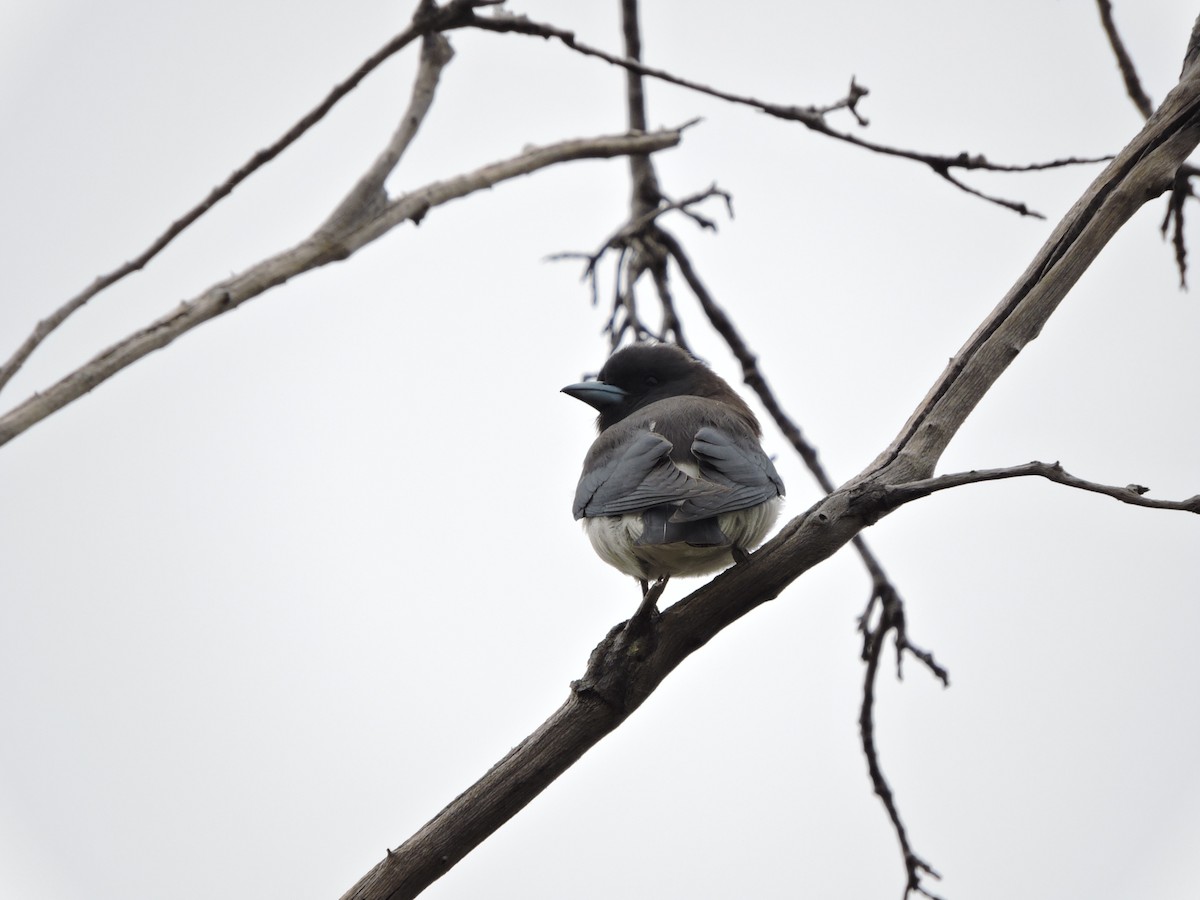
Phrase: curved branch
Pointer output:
(325, 246)
(428, 19)
(436, 54)
(1133, 494)
(812, 117)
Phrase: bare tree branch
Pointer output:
(1173, 220)
(883, 592)
(428, 19)
(369, 195)
(638, 228)
(891, 618)
(646, 193)
(1181, 190)
(645, 254)
(1133, 85)
(1133, 494)
(324, 246)
(812, 117)
(1144, 169)
(622, 672)
(751, 373)
(754, 378)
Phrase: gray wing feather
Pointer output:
(737, 464)
(638, 477)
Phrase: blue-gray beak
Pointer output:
(596, 394)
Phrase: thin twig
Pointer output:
(812, 117)
(428, 19)
(751, 373)
(1133, 85)
(645, 195)
(891, 618)
(644, 180)
(1173, 220)
(637, 228)
(1133, 494)
(883, 592)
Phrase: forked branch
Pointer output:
(630, 673)
(891, 618)
(1133, 84)
(429, 19)
(324, 246)
(1181, 191)
(812, 117)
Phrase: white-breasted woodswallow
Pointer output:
(677, 483)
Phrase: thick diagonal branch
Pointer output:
(1144, 169)
(620, 676)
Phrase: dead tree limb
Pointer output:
(622, 673)
(343, 234)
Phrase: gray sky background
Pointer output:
(272, 597)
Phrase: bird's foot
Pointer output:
(647, 610)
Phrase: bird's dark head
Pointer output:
(641, 374)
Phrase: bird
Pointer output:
(676, 482)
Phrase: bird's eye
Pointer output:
(651, 380)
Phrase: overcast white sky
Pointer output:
(273, 596)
